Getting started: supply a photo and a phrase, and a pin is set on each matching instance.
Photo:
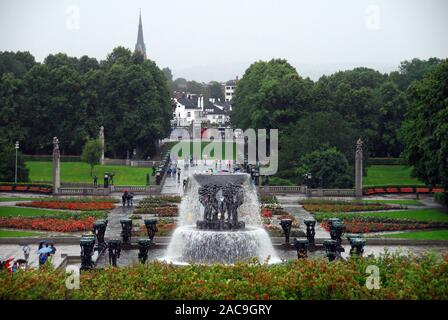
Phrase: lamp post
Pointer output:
(17, 150)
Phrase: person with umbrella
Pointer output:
(44, 253)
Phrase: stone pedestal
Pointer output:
(101, 138)
(358, 169)
(56, 166)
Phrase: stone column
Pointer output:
(101, 138)
(56, 166)
(358, 169)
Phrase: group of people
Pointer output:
(127, 198)
(173, 170)
(45, 251)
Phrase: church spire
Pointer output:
(140, 45)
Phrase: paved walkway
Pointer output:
(113, 230)
(291, 205)
(15, 251)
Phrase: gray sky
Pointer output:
(216, 40)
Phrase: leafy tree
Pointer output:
(270, 95)
(413, 70)
(215, 91)
(425, 130)
(8, 163)
(168, 74)
(17, 63)
(316, 131)
(91, 153)
(328, 169)
(180, 85)
(391, 105)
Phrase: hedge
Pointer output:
(400, 189)
(401, 277)
(26, 187)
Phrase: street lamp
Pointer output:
(17, 150)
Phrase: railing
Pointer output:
(282, 189)
(84, 191)
(137, 189)
(307, 191)
(331, 192)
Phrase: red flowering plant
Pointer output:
(47, 224)
(83, 206)
(266, 213)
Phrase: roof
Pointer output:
(189, 103)
(215, 110)
(231, 83)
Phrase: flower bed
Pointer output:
(346, 207)
(268, 199)
(360, 226)
(165, 228)
(266, 213)
(276, 231)
(48, 224)
(402, 277)
(160, 211)
(159, 200)
(82, 206)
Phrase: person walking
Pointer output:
(26, 252)
(178, 175)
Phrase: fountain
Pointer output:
(220, 222)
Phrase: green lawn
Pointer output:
(80, 172)
(404, 202)
(435, 215)
(18, 199)
(393, 175)
(27, 212)
(16, 234)
(420, 235)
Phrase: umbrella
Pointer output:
(45, 250)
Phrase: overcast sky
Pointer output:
(218, 39)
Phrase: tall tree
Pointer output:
(91, 153)
(425, 131)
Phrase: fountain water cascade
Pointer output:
(220, 222)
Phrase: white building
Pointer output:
(192, 108)
(229, 89)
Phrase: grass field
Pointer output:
(435, 215)
(18, 199)
(420, 235)
(392, 175)
(17, 234)
(27, 212)
(80, 172)
(404, 202)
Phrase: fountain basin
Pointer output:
(192, 245)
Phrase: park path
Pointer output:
(291, 205)
(113, 230)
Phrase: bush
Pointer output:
(402, 277)
(268, 199)
(441, 197)
(277, 181)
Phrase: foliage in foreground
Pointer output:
(401, 277)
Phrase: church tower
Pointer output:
(140, 45)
